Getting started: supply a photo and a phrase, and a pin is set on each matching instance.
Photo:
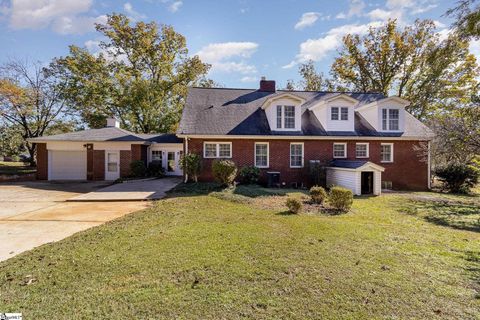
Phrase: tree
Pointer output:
(30, 100)
(140, 76)
(312, 80)
(411, 63)
(467, 15)
(11, 141)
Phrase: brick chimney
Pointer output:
(267, 85)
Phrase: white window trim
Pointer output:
(295, 122)
(255, 154)
(388, 119)
(290, 154)
(368, 150)
(340, 114)
(344, 149)
(331, 113)
(217, 152)
(391, 152)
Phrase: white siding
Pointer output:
(271, 113)
(349, 179)
(323, 114)
(373, 114)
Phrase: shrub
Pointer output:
(318, 194)
(249, 175)
(458, 177)
(191, 165)
(294, 205)
(224, 171)
(137, 168)
(340, 198)
(155, 169)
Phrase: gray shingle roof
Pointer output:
(110, 134)
(349, 164)
(220, 111)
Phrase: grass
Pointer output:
(196, 256)
(15, 168)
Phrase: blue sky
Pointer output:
(242, 39)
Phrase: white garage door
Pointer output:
(68, 165)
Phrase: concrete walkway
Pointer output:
(131, 191)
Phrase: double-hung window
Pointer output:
(296, 155)
(334, 113)
(261, 154)
(339, 113)
(339, 150)
(285, 117)
(361, 150)
(217, 150)
(390, 119)
(386, 152)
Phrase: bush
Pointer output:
(137, 168)
(458, 177)
(191, 165)
(318, 194)
(224, 171)
(341, 198)
(155, 169)
(249, 175)
(294, 205)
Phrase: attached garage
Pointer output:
(362, 177)
(67, 165)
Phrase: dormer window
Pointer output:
(339, 113)
(390, 119)
(285, 117)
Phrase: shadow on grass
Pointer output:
(473, 269)
(285, 213)
(453, 214)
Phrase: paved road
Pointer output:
(35, 213)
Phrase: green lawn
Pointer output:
(11, 168)
(240, 255)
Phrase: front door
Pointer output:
(112, 165)
(367, 182)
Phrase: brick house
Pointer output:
(366, 141)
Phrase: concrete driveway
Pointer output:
(35, 213)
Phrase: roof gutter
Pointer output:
(264, 137)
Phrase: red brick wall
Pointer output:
(98, 164)
(407, 172)
(42, 161)
(125, 160)
(139, 152)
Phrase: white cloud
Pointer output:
(317, 49)
(173, 7)
(229, 56)
(249, 79)
(134, 15)
(383, 15)
(221, 51)
(308, 19)
(76, 25)
(355, 9)
(63, 16)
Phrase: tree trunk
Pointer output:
(32, 148)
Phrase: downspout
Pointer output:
(185, 153)
(429, 167)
